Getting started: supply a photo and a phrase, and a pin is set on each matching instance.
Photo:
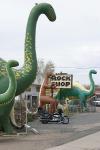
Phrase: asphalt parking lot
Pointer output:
(51, 135)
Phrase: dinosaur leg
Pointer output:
(5, 118)
(85, 105)
(6, 126)
(82, 102)
(48, 100)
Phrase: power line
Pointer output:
(63, 67)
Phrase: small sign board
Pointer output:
(62, 80)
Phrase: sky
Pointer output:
(72, 42)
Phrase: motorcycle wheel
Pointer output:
(44, 121)
(65, 120)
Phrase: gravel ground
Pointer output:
(51, 135)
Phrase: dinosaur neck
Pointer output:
(92, 86)
(8, 96)
(26, 75)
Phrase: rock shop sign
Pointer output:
(61, 80)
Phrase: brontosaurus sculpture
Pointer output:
(79, 91)
(26, 75)
(7, 98)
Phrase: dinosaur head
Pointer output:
(13, 63)
(93, 71)
(48, 10)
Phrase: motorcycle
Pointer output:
(57, 117)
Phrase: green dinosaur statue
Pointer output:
(26, 75)
(7, 98)
(78, 91)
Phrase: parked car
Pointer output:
(96, 103)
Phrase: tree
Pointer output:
(43, 68)
(49, 67)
